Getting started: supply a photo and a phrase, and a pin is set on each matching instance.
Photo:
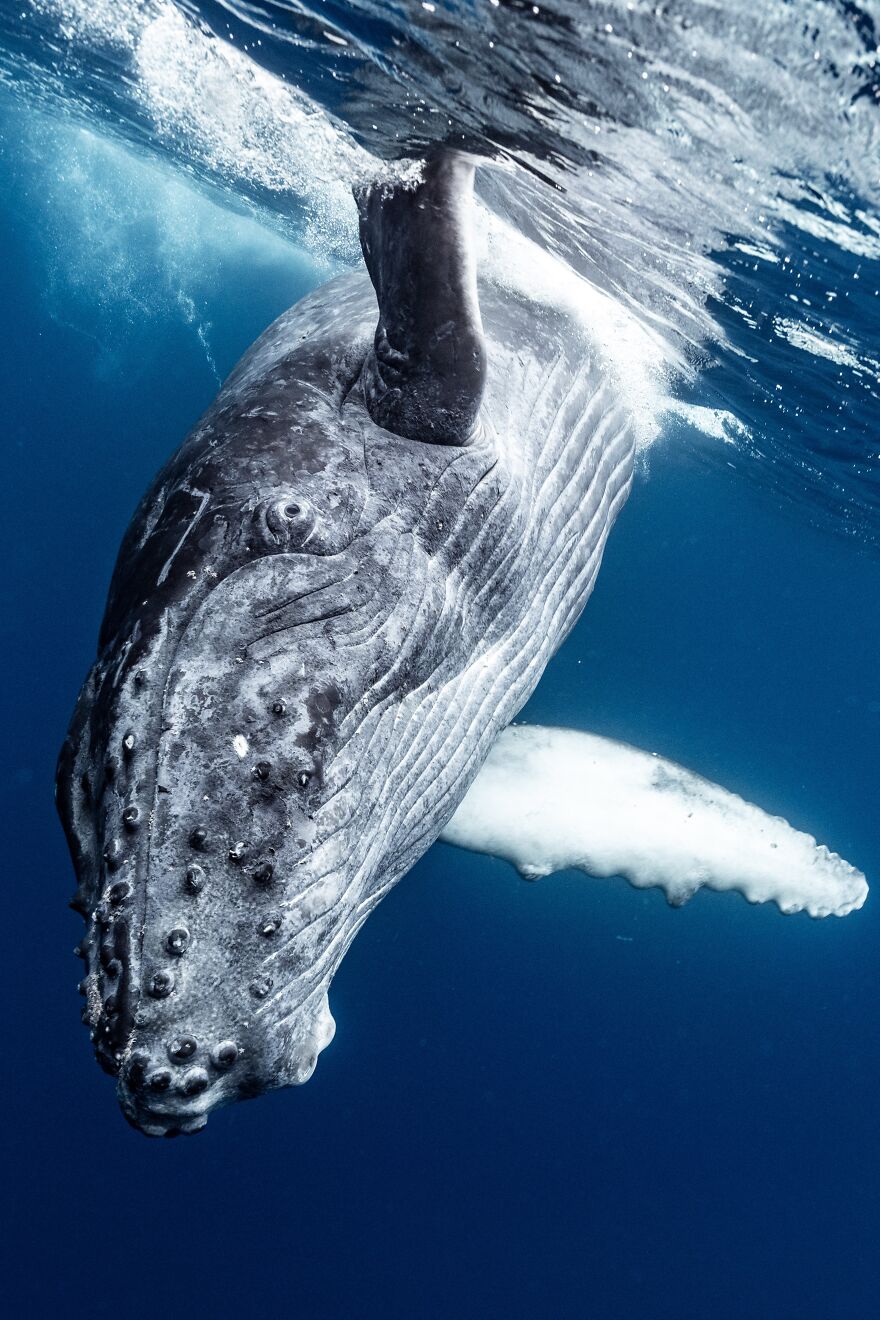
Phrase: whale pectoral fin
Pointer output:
(547, 799)
(425, 374)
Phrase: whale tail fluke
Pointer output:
(425, 374)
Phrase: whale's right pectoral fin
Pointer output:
(425, 374)
(547, 799)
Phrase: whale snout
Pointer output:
(201, 986)
(171, 1097)
(169, 1087)
(154, 1121)
(171, 1081)
(171, 1091)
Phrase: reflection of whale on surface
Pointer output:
(332, 601)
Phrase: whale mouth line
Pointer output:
(170, 1129)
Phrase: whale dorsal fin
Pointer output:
(425, 374)
(547, 799)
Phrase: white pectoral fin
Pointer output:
(547, 799)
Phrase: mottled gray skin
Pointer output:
(315, 630)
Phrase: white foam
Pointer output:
(717, 423)
(759, 250)
(210, 101)
(813, 341)
(842, 234)
(547, 799)
(114, 22)
(640, 361)
(249, 125)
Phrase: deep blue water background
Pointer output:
(559, 1099)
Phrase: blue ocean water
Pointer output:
(550, 1099)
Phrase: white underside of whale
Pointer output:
(547, 799)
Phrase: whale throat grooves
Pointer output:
(425, 374)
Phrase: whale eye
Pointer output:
(270, 925)
(288, 520)
(304, 778)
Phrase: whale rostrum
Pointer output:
(330, 603)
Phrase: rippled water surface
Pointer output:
(714, 166)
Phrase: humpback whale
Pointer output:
(326, 613)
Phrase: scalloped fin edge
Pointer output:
(550, 799)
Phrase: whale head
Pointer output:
(241, 780)
(194, 787)
(216, 787)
